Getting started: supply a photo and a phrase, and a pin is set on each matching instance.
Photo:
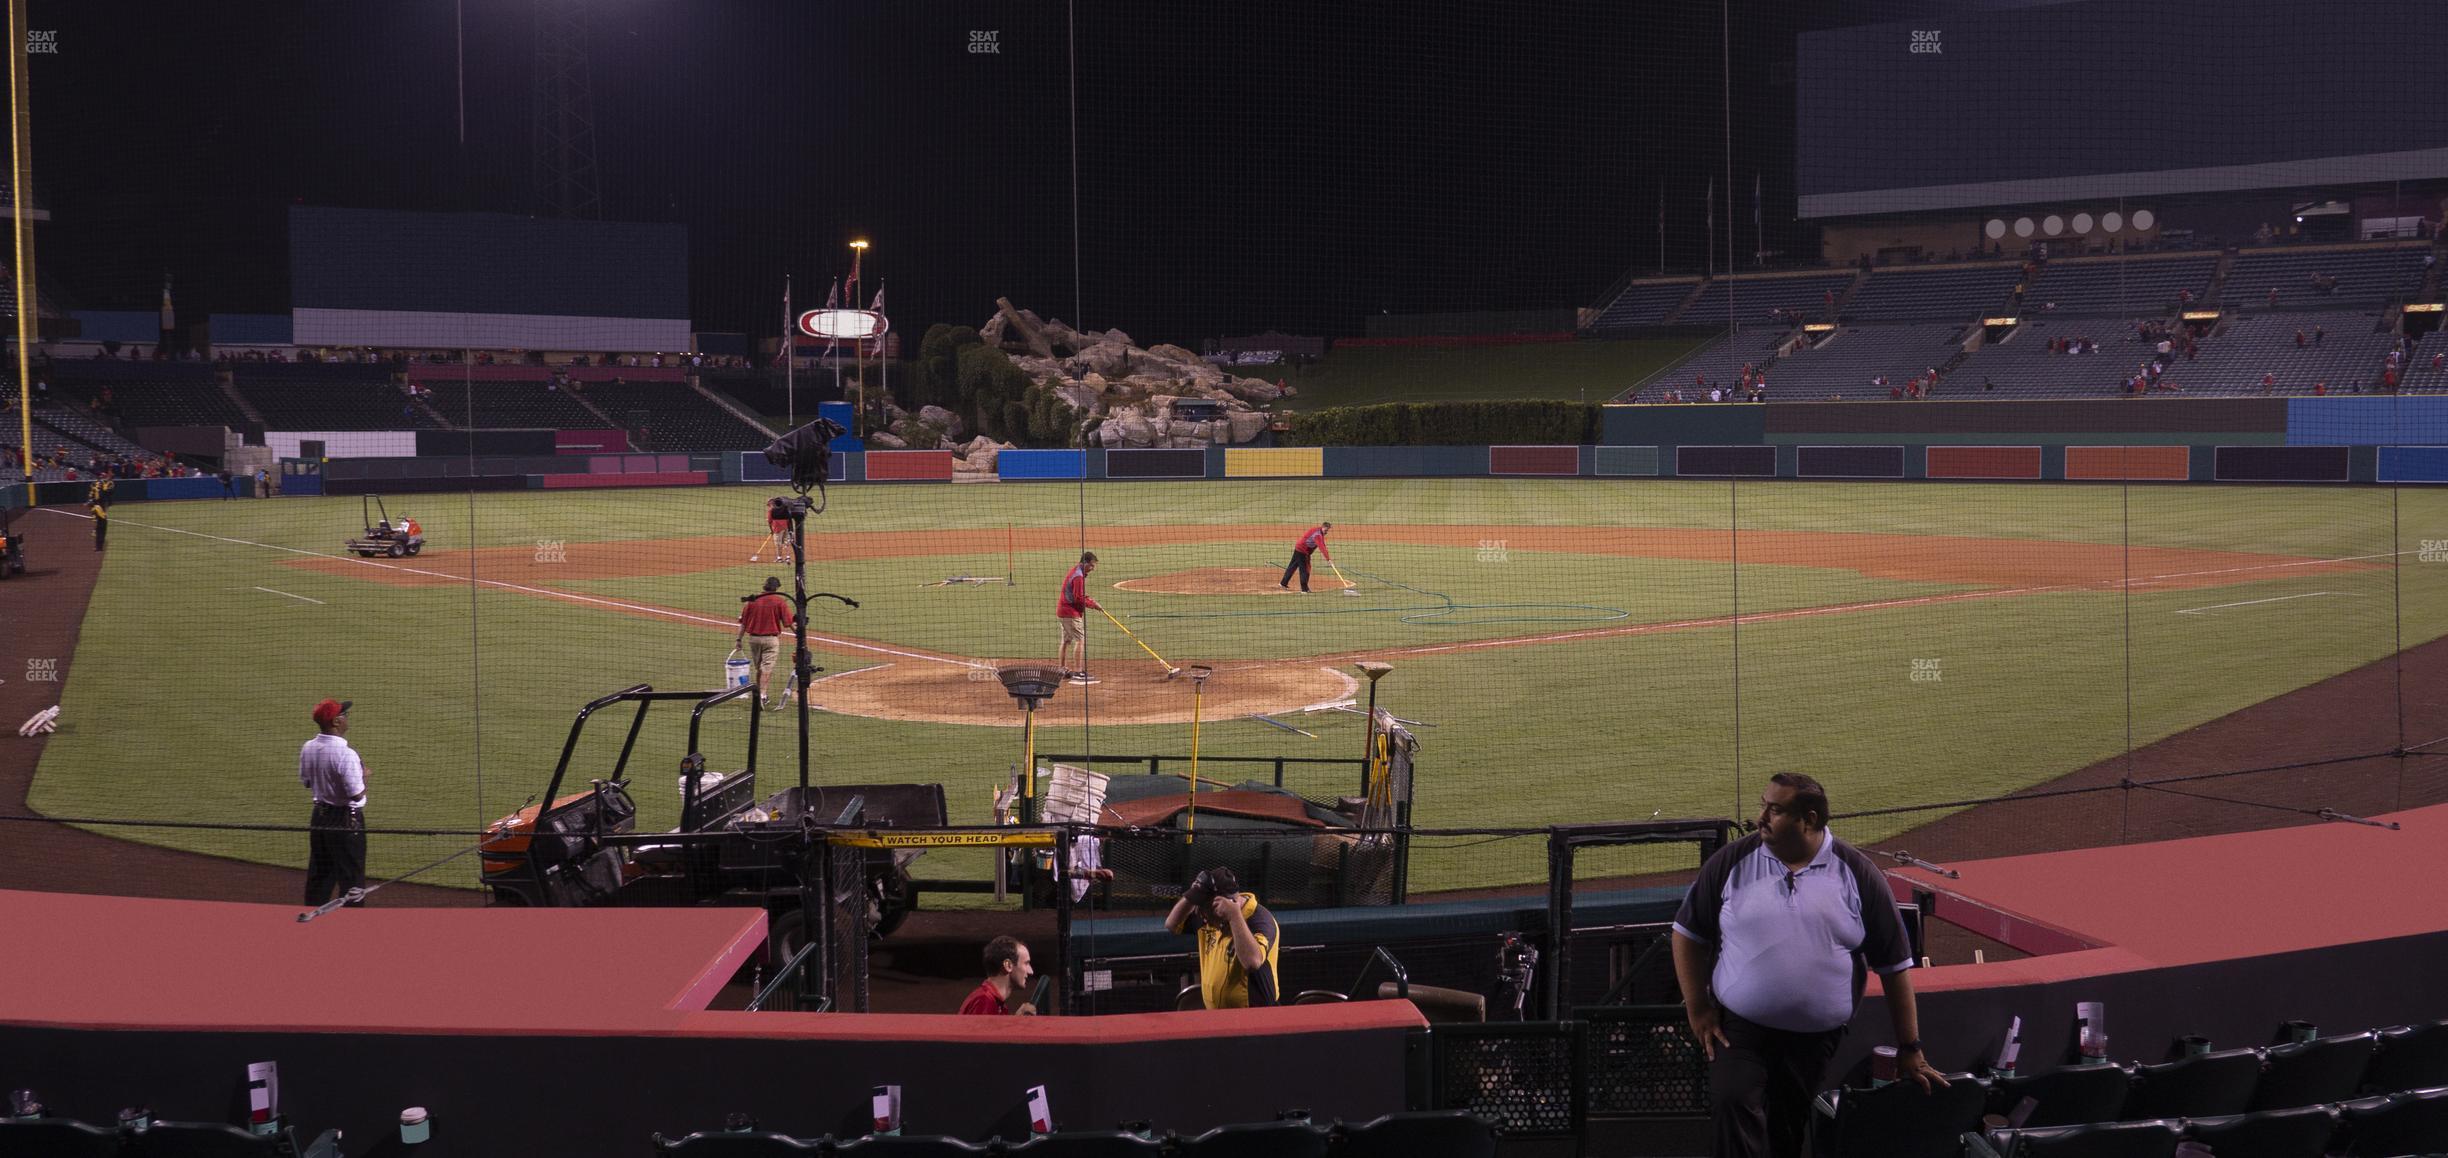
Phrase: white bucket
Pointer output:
(736, 673)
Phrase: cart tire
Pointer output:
(894, 896)
(413, 548)
(398, 552)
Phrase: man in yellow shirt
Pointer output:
(1238, 941)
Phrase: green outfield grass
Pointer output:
(1586, 371)
(204, 646)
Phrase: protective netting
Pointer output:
(2055, 492)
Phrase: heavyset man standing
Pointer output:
(1770, 949)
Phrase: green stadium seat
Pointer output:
(1898, 1120)
(2066, 1096)
(908, 1146)
(2409, 1123)
(1258, 1140)
(733, 1144)
(2409, 1057)
(1088, 1144)
(2302, 1132)
(2146, 1139)
(1424, 1134)
(2195, 1087)
(56, 1138)
(2311, 1073)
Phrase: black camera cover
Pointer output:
(807, 452)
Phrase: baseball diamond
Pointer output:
(1947, 641)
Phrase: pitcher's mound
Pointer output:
(1230, 581)
(1125, 693)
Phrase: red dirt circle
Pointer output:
(1126, 693)
(1230, 581)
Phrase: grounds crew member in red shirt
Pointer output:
(1312, 540)
(1072, 612)
(777, 521)
(763, 620)
(1007, 977)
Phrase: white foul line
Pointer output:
(2250, 602)
(300, 598)
(548, 593)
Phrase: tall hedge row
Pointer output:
(1525, 421)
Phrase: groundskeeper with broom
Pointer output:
(1311, 541)
(1071, 610)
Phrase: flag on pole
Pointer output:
(790, 321)
(169, 317)
(877, 306)
(833, 296)
(1710, 199)
(1755, 201)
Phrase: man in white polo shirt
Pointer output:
(1770, 949)
(331, 772)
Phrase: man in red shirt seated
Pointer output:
(763, 619)
(1008, 977)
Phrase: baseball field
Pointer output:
(1572, 649)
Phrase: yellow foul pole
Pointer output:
(21, 180)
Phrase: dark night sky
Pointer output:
(1242, 166)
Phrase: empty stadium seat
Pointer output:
(2408, 1123)
(674, 416)
(728, 1144)
(1425, 1134)
(2124, 286)
(368, 400)
(2409, 1057)
(1755, 300)
(2145, 1139)
(56, 1138)
(1844, 362)
(215, 1140)
(1258, 1140)
(2328, 1069)
(1643, 304)
(1898, 1120)
(908, 1146)
(1955, 292)
(2066, 1096)
(2302, 1132)
(2366, 274)
(1088, 1144)
(2214, 1083)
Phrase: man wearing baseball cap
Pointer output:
(331, 772)
(764, 616)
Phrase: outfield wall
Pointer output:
(2390, 440)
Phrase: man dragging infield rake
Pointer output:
(1311, 541)
(1071, 610)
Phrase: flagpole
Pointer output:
(790, 360)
